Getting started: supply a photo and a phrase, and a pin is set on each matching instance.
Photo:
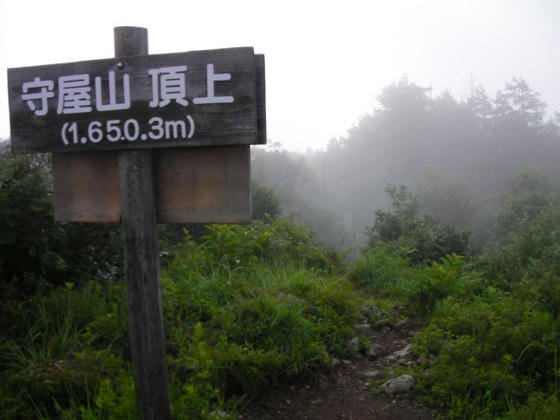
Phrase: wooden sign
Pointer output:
(192, 185)
(199, 98)
(137, 101)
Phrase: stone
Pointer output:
(398, 385)
(401, 354)
(373, 311)
(354, 345)
(374, 351)
(371, 374)
(400, 324)
(390, 360)
(292, 298)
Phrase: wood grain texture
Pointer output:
(203, 185)
(86, 187)
(193, 185)
(141, 262)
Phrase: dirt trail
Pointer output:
(345, 393)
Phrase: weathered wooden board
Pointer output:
(198, 185)
(86, 187)
(203, 185)
(198, 98)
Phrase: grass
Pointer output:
(245, 308)
(493, 346)
(248, 308)
(280, 323)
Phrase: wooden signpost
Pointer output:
(200, 98)
(151, 138)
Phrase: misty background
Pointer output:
(453, 99)
(326, 62)
(418, 138)
(459, 158)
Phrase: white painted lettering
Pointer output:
(211, 97)
(112, 105)
(41, 90)
(73, 94)
(168, 84)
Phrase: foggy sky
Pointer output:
(325, 63)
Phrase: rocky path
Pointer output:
(363, 387)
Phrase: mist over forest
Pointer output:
(458, 159)
(435, 220)
(394, 253)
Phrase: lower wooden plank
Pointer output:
(195, 185)
(203, 185)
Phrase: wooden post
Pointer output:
(141, 260)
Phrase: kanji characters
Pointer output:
(41, 90)
(112, 105)
(212, 78)
(73, 94)
(168, 84)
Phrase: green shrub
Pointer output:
(539, 407)
(116, 398)
(50, 356)
(264, 202)
(262, 323)
(493, 351)
(37, 254)
(245, 307)
(234, 247)
(431, 284)
(404, 226)
(494, 324)
(387, 272)
(380, 268)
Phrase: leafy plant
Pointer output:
(36, 253)
(381, 268)
(405, 226)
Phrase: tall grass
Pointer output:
(263, 326)
(382, 270)
(245, 308)
(50, 355)
(493, 343)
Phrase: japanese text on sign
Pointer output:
(74, 91)
(192, 99)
